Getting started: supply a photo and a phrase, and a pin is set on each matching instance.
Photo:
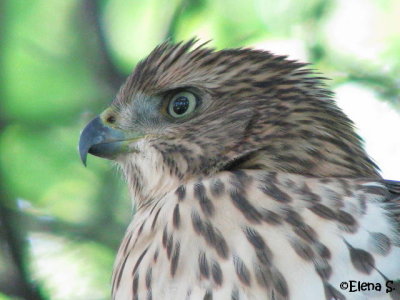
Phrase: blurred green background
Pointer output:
(61, 62)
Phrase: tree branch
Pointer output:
(110, 72)
(12, 237)
(16, 245)
(54, 226)
(172, 25)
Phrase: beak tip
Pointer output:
(86, 139)
(83, 156)
(84, 162)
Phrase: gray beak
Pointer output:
(103, 141)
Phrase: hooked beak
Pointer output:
(104, 141)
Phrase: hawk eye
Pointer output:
(182, 104)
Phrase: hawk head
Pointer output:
(189, 111)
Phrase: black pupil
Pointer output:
(180, 105)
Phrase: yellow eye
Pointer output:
(182, 104)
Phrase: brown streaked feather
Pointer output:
(264, 185)
(394, 199)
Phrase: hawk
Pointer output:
(248, 181)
